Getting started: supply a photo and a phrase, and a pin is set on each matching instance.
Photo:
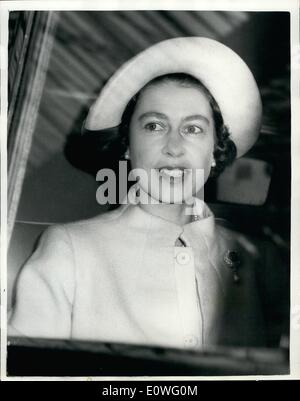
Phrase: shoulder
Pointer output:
(258, 247)
(62, 235)
(246, 245)
(258, 255)
(98, 223)
(50, 269)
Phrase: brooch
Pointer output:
(233, 261)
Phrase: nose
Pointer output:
(173, 145)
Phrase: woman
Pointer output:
(158, 270)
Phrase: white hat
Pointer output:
(219, 68)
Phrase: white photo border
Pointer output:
(291, 6)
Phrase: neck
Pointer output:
(175, 213)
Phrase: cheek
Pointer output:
(202, 157)
(139, 152)
(136, 156)
(143, 152)
(203, 153)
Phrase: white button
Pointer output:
(183, 258)
(190, 341)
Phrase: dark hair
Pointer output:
(225, 149)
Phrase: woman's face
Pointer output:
(171, 137)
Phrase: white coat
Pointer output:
(119, 277)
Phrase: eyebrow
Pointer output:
(197, 117)
(153, 114)
(163, 116)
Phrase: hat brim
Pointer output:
(220, 69)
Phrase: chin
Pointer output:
(172, 196)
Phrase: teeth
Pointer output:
(176, 172)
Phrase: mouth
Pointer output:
(175, 173)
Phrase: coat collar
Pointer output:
(163, 232)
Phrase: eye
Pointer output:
(154, 127)
(193, 129)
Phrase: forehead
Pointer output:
(173, 97)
